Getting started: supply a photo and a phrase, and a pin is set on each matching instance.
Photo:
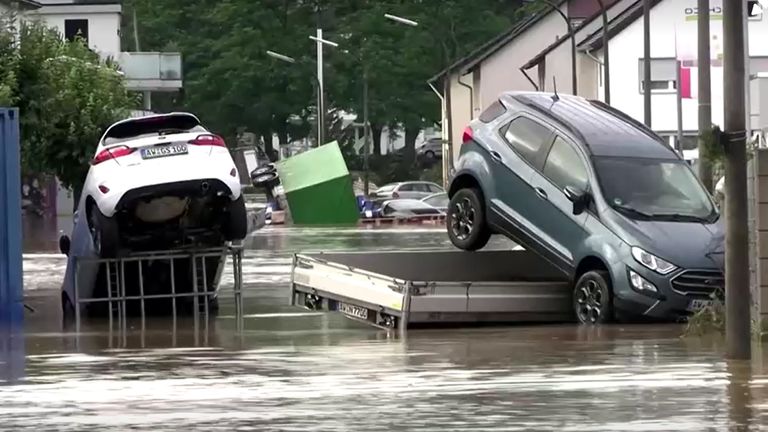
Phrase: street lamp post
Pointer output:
(287, 59)
(320, 82)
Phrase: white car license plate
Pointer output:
(354, 311)
(697, 305)
(168, 150)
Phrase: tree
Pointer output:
(400, 59)
(66, 97)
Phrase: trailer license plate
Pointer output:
(354, 311)
(168, 150)
(697, 305)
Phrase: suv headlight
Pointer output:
(652, 262)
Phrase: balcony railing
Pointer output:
(152, 71)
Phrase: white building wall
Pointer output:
(501, 72)
(103, 24)
(627, 48)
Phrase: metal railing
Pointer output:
(117, 296)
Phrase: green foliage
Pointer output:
(231, 82)
(713, 150)
(710, 319)
(66, 96)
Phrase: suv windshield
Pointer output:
(654, 189)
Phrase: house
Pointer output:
(673, 37)
(99, 23)
(472, 83)
(96, 21)
(537, 54)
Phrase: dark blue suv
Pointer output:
(597, 194)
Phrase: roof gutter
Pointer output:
(471, 96)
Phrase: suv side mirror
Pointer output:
(578, 197)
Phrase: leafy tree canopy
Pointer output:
(66, 97)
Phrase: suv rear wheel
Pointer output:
(593, 298)
(467, 227)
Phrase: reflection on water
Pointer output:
(295, 370)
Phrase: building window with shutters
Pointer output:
(663, 75)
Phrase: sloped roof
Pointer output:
(615, 26)
(492, 46)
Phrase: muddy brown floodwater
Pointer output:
(294, 370)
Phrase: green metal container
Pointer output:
(318, 187)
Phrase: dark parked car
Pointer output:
(596, 193)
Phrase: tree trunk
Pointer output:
(266, 137)
(409, 153)
(376, 129)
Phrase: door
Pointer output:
(564, 166)
(407, 190)
(524, 140)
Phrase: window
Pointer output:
(653, 189)
(663, 75)
(492, 112)
(439, 200)
(434, 188)
(408, 187)
(564, 166)
(74, 28)
(526, 136)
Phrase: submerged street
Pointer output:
(295, 370)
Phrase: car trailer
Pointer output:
(398, 290)
(172, 275)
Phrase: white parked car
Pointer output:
(161, 181)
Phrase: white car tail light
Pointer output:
(112, 153)
(208, 140)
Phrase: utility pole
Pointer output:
(705, 92)
(320, 91)
(647, 61)
(737, 290)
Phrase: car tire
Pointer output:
(104, 233)
(593, 298)
(264, 180)
(235, 226)
(465, 220)
(264, 169)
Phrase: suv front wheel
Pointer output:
(593, 298)
(467, 227)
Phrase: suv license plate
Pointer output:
(697, 305)
(353, 311)
(168, 150)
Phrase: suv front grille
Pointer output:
(698, 283)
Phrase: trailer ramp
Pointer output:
(397, 290)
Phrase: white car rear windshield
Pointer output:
(152, 126)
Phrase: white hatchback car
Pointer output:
(160, 181)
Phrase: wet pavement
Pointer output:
(292, 370)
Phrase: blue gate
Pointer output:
(11, 297)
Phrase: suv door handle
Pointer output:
(496, 156)
(541, 193)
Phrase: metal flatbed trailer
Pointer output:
(398, 290)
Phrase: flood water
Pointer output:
(294, 370)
